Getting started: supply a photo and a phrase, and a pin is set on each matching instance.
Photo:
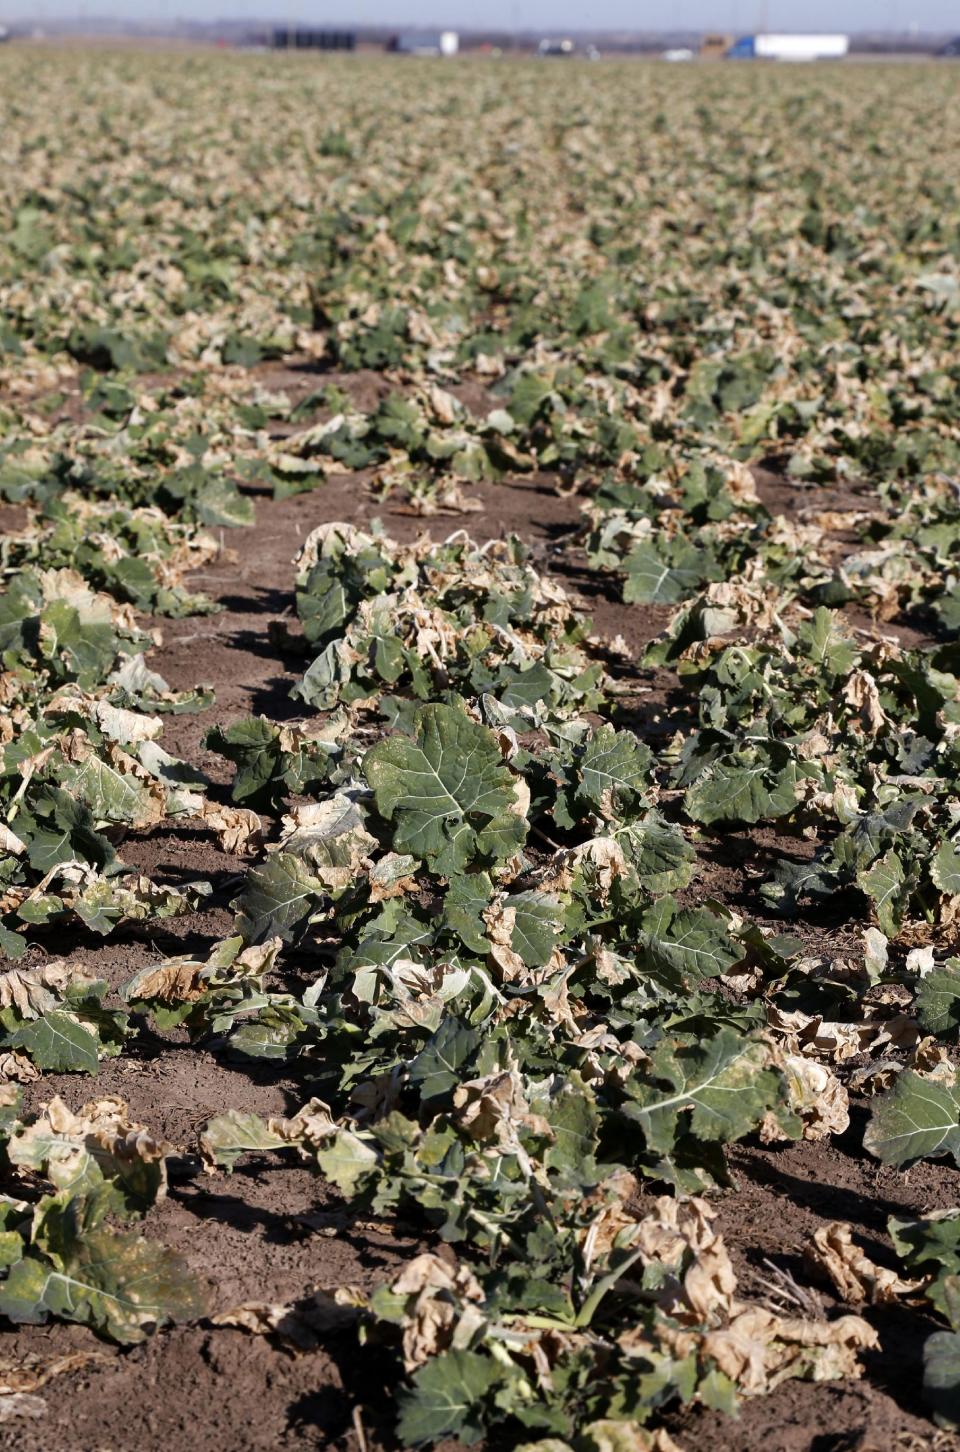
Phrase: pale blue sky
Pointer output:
(547, 15)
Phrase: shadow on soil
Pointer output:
(264, 600)
(860, 1204)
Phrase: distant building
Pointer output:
(790, 47)
(285, 38)
(715, 46)
(426, 42)
(551, 49)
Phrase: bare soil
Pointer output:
(275, 1233)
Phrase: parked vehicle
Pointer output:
(790, 47)
(426, 42)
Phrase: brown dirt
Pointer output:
(274, 1233)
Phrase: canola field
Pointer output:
(479, 754)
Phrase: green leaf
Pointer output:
(463, 905)
(573, 1116)
(941, 1377)
(446, 1398)
(720, 1090)
(613, 771)
(113, 1280)
(12, 945)
(448, 791)
(346, 1160)
(530, 392)
(662, 858)
(654, 580)
(325, 678)
(57, 1042)
(437, 1068)
(694, 942)
(278, 899)
(536, 927)
(930, 1245)
(253, 745)
(937, 1003)
(742, 787)
(883, 884)
(918, 1119)
(235, 1133)
(525, 687)
(823, 643)
(945, 868)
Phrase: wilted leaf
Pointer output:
(856, 1278)
(112, 1280)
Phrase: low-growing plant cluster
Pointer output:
(478, 924)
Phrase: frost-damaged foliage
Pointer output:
(725, 318)
(670, 536)
(59, 1254)
(74, 775)
(413, 442)
(136, 555)
(428, 618)
(431, 869)
(516, 1028)
(516, 1023)
(54, 628)
(569, 1299)
(806, 728)
(53, 1018)
(117, 501)
(153, 453)
(80, 762)
(682, 522)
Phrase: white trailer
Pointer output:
(801, 47)
(426, 42)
